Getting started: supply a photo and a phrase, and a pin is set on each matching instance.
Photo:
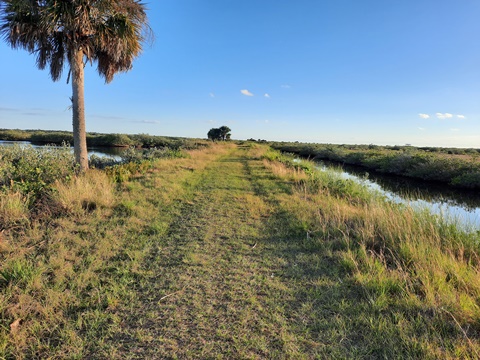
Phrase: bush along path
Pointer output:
(236, 252)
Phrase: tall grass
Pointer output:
(402, 257)
(85, 192)
(14, 210)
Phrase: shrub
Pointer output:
(32, 170)
(468, 180)
(98, 162)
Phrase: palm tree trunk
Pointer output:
(78, 105)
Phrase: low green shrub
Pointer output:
(31, 171)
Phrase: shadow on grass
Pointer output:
(339, 317)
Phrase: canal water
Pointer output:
(455, 205)
(111, 152)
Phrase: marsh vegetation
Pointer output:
(452, 166)
(43, 137)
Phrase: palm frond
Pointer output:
(107, 31)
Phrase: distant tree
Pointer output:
(109, 32)
(224, 132)
(217, 134)
(214, 134)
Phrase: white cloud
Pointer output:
(424, 116)
(444, 116)
(461, 116)
(285, 86)
(246, 92)
(267, 96)
(421, 129)
(212, 95)
(454, 129)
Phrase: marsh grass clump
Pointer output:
(14, 210)
(85, 192)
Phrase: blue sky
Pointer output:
(331, 71)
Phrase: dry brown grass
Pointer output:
(13, 210)
(288, 173)
(85, 192)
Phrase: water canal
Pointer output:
(457, 205)
(114, 152)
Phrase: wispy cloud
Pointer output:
(421, 129)
(8, 109)
(285, 86)
(108, 117)
(424, 116)
(455, 130)
(35, 113)
(246, 92)
(146, 122)
(212, 95)
(461, 116)
(444, 116)
(267, 95)
(27, 111)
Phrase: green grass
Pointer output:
(235, 252)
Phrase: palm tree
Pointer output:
(73, 32)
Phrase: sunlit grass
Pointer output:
(13, 209)
(401, 257)
(85, 192)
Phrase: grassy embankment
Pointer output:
(233, 252)
(456, 167)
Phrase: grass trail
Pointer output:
(213, 289)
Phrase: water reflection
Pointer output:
(461, 206)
